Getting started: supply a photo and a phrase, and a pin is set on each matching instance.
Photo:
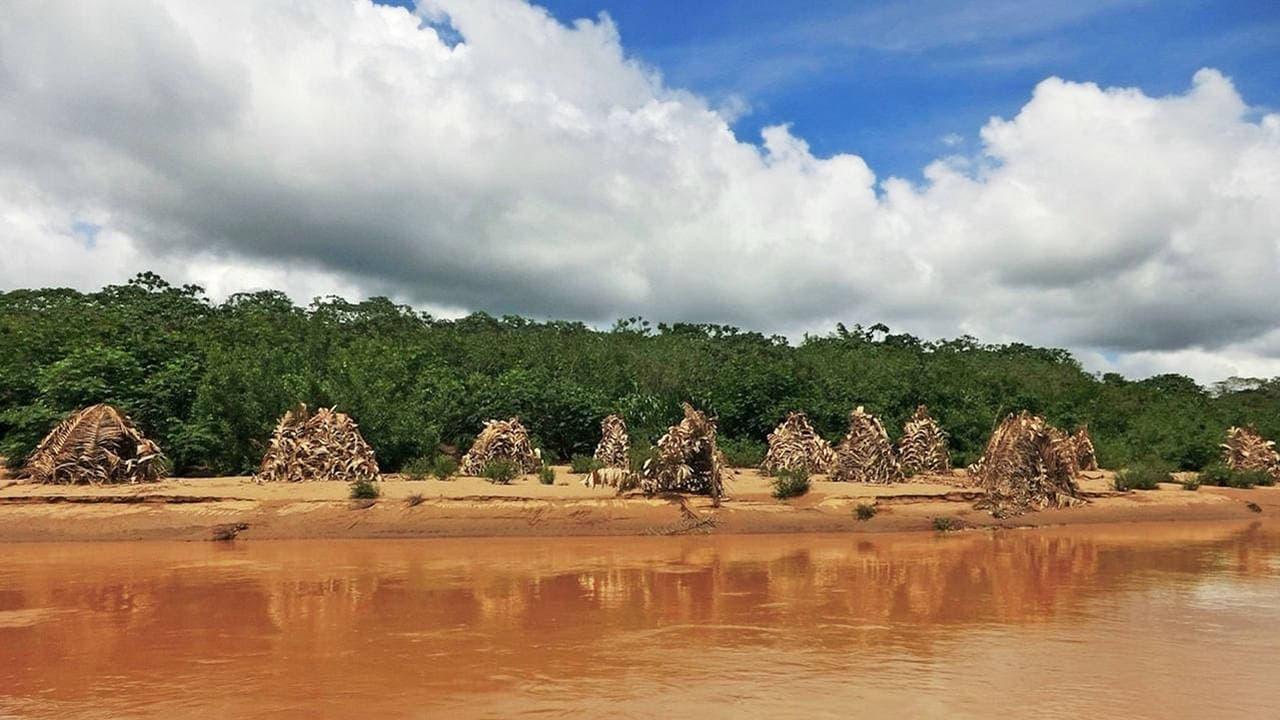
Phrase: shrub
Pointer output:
(1219, 475)
(414, 500)
(946, 524)
(1142, 476)
(418, 469)
(501, 472)
(547, 475)
(1192, 483)
(364, 490)
(865, 511)
(742, 453)
(443, 467)
(790, 483)
(583, 464)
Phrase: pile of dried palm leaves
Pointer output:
(687, 459)
(98, 444)
(324, 445)
(1086, 456)
(923, 445)
(501, 440)
(866, 453)
(795, 445)
(614, 448)
(1245, 449)
(1028, 465)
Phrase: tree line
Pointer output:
(208, 380)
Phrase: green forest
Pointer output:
(208, 380)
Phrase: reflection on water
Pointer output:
(1133, 621)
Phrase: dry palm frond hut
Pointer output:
(1245, 449)
(615, 445)
(687, 458)
(923, 446)
(98, 444)
(324, 445)
(795, 445)
(866, 453)
(501, 440)
(1027, 465)
(1086, 456)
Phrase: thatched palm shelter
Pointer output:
(324, 445)
(1028, 465)
(795, 445)
(615, 445)
(1086, 456)
(501, 440)
(1245, 449)
(923, 445)
(866, 453)
(687, 459)
(98, 444)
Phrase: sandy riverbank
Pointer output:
(200, 509)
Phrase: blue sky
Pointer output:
(889, 82)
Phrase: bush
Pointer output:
(414, 500)
(742, 453)
(364, 490)
(1192, 483)
(547, 475)
(417, 469)
(443, 467)
(1219, 475)
(865, 511)
(790, 483)
(583, 464)
(946, 524)
(1145, 476)
(638, 454)
(501, 472)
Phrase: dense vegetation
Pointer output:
(208, 381)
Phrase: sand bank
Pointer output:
(201, 509)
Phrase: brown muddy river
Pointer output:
(1135, 621)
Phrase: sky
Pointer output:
(1101, 175)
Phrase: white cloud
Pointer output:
(336, 146)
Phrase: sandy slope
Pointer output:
(199, 509)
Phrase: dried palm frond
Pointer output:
(1245, 449)
(866, 454)
(1086, 456)
(923, 446)
(1028, 465)
(613, 450)
(98, 444)
(501, 440)
(687, 458)
(324, 445)
(795, 445)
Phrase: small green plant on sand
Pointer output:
(1142, 476)
(865, 511)
(501, 472)
(1219, 475)
(417, 469)
(790, 483)
(443, 467)
(364, 490)
(1192, 483)
(946, 524)
(547, 475)
(414, 500)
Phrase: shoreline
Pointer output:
(191, 509)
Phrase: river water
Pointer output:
(1135, 621)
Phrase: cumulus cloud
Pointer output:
(482, 155)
